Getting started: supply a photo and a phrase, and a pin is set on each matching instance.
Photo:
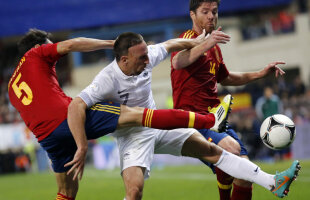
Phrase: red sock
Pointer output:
(172, 118)
(241, 193)
(224, 182)
(63, 197)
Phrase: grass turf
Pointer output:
(177, 182)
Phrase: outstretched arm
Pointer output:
(188, 56)
(83, 45)
(208, 41)
(242, 78)
(76, 122)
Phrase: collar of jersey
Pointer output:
(120, 73)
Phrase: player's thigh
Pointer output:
(234, 135)
(172, 141)
(230, 144)
(196, 146)
(102, 119)
(60, 147)
(66, 185)
(137, 148)
(227, 140)
(133, 178)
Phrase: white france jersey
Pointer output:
(111, 84)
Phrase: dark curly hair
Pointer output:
(124, 41)
(194, 4)
(33, 37)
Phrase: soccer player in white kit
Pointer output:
(127, 80)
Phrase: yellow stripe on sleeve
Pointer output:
(190, 35)
(186, 34)
(191, 120)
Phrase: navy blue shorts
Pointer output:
(101, 119)
(216, 137)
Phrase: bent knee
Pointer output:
(230, 145)
(135, 192)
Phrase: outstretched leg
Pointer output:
(172, 118)
(196, 146)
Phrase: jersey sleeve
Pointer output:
(49, 52)
(185, 35)
(156, 53)
(223, 71)
(100, 89)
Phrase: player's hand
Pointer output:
(273, 68)
(218, 36)
(202, 37)
(77, 163)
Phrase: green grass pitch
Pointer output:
(194, 182)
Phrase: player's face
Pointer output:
(205, 17)
(137, 58)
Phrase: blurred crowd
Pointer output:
(273, 21)
(290, 97)
(267, 24)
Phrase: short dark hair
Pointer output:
(194, 4)
(32, 37)
(124, 41)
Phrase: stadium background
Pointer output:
(262, 31)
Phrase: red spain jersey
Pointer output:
(35, 92)
(194, 87)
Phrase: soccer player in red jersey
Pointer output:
(194, 76)
(35, 92)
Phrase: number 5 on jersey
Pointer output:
(23, 86)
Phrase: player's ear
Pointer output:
(124, 59)
(192, 14)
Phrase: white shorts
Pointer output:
(138, 148)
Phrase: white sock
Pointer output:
(242, 168)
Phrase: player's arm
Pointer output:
(242, 78)
(82, 44)
(178, 44)
(76, 122)
(188, 56)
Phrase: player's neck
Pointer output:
(124, 69)
(196, 29)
